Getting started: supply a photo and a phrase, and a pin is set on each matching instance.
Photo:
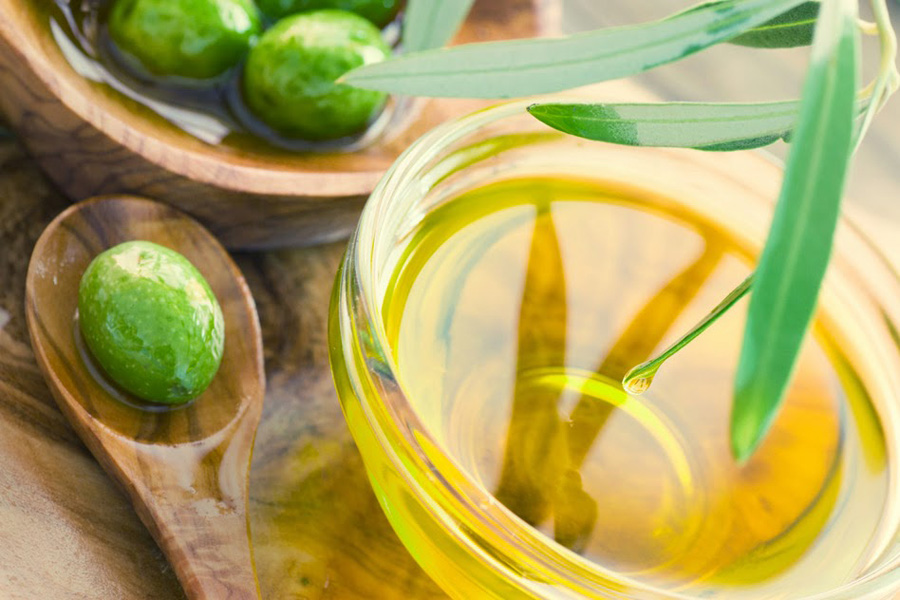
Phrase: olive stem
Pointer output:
(639, 378)
(888, 78)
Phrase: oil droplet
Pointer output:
(637, 385)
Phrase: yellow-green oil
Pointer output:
(512, 318)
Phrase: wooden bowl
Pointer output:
(92, 139)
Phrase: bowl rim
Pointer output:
(563, 563)
(173, 150)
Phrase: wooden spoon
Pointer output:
(93, 139)
(185, 469)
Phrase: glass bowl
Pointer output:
(467, 541)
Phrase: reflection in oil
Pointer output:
(515, 316)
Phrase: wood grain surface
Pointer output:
(66, 529)
(67, 532)
(184, 468)
(94, 140)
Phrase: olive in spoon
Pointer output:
(184, 467)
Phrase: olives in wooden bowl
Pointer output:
(197, 130)
(289, 74)
(194, 39)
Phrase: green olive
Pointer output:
(151, 320)
(380, 12)
(198, 39)
(289, 77)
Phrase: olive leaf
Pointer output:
(533, 66)
(428, 24)
(798, 248)
(682, 125)
(788, 30)
(702, 126)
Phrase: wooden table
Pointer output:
(318, 532)
(67, 532)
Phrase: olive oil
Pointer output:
(513, 316)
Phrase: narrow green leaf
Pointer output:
(703, 126)
(429, 24)
(522, 67)
(796, 255)
(789, 30)
(638, 379)
(713, 127)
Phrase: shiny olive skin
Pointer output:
(151, 321)
(196, 39)
(380, 12)
(289, 77)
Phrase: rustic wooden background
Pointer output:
(65, 530)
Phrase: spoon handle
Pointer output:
(206, 540)
(196, 509)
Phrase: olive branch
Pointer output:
(823, 128)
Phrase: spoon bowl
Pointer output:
(184, 468)
(92, 137)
